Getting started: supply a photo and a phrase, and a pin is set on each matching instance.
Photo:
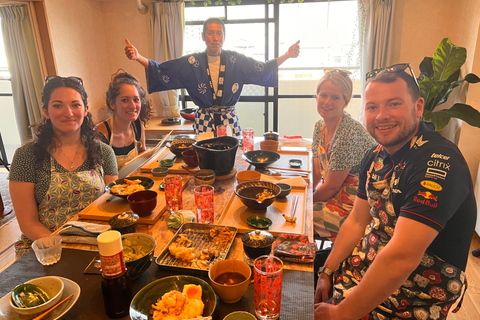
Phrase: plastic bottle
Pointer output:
(116, 286)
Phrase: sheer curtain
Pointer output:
(376, 28)
(24, 67)
(168, 23)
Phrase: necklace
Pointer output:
(74, 157)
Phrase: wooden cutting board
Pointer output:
(178, 166)
(106, 206)
(236, 214)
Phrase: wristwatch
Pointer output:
(325, 270)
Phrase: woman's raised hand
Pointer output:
(294, 50)
(130, 51)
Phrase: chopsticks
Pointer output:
(294, 207)
(288, 169)
(43, 315)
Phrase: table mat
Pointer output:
(236, 214)
(297, 292)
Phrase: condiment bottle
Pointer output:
(116, 286)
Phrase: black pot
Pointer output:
(272, 135)
(257, 243)
(217, 154)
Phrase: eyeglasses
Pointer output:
(52, 78)
(399, 67)
(344, 73)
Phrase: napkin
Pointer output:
(294, 182)
(294, 247)
(82, 232)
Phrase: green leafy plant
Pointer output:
(439, 76)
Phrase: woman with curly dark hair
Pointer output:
(125, 130)
(63, 169)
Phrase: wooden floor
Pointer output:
(471, 303)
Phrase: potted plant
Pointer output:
(439, 75)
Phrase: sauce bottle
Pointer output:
(116, 287)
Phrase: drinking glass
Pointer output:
(172, 185)
(204, 203)
(268, 275)
(221, 131)
(48, 250)
(248, 135)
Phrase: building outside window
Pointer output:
(328, 34)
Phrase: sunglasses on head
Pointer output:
(75, 79)
(399, 67)
(344, 73)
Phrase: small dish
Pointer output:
(161, 187)
(159, 171)
(285, 189)
(295, 163)
(171, 121)
(166, 163)
(259, 222)
(240, 315)
(69, 287)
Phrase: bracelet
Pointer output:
(325, 270)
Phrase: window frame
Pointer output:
(268, 99)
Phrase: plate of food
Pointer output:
(69, 287)
(196, 246)
(198, 296)
(124, 187)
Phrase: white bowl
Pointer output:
(53, 287)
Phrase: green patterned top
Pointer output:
(24, 168)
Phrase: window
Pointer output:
(328, 37)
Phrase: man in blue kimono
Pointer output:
(214, 78)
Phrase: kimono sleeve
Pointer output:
(166, 75)
(259, 73)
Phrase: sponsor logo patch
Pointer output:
(431, 185)
(435, 173)
(426, 198)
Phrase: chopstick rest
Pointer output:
(53, 308)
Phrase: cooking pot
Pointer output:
(217, 154)
(272, 135)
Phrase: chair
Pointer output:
(3, 154)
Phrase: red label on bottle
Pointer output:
(112, 265)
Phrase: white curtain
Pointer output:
(168, 23)
(24, 67)
(376, 24)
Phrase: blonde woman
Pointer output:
(339, 144)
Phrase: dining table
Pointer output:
(298, 280)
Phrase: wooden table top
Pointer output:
(156, 127)
(223, 192)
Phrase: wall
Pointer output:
(420, 27)
(88, 41)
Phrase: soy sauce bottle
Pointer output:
(116, 287)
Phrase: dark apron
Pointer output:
(432, 287)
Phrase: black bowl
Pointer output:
(177, 146)
(247, 192)
(141, 244)
(147, 183)
(260, 158)
(148, 295)
(217, 154)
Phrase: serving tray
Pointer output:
(198, 234)
(236, 213)
(106, 206)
